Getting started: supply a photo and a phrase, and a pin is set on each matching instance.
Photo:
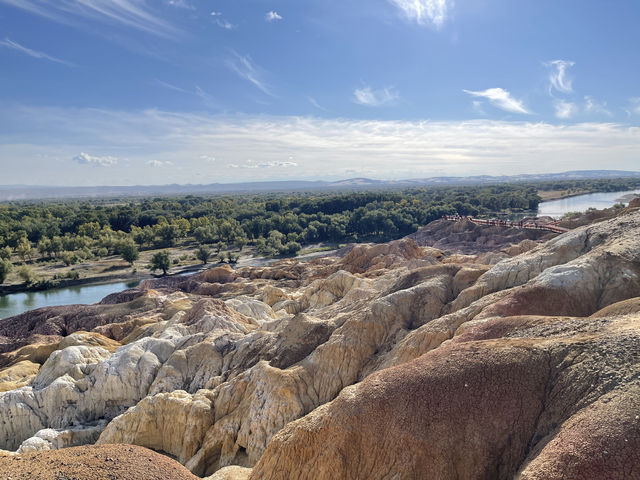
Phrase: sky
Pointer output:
(126, 92)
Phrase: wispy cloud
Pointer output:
(246, 68)
(424, 12)
(313, 102)
(501, 99)
(207, 98)
(565, 109)
(127, 13)
(478, 107)
(272, 164)
(207, 158)
(634, 106)
(375, 98)
(559, 79)
(158, 163)
(32, 53)
(169, 86)
(86, 159)
(181, 4)
(222, 23)
(594, 107)
(272, 16)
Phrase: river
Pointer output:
(580, 203)
(16, 303)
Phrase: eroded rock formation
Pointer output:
(498, 365)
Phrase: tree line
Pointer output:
(275, 224)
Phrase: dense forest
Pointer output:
(275, 224)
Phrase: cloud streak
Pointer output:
(7, 43)
(424, 12)
(375, 98)
(125, 13)
(501, 99)
(247, 69)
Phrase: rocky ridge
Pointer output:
(472, 368)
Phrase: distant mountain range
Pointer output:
(30, 192)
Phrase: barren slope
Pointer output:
(471, 370)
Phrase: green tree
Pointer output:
(5, 253)
(56, 245)
(203, 254)
(143, 236)
(5, 268)
(128, 251)
(160, 261)
(24, 249)
(91, 229)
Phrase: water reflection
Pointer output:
(581, 203)
(16, 303)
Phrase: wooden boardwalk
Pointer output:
(529, 224)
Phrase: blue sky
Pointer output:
(96, 92)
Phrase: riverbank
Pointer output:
(548, 195)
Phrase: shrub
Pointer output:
(27, 274)
(5, 268)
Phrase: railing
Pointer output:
(529, 224)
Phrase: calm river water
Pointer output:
(16, 303)
(580, 203)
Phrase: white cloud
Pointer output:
(32, 53)
(565, 109)
(375, 98)
(558, 77)
(159, 163)
(424, 12)
(592, 106)
(216, 14)
(222, 23)
(128, 13)
(207, 158)
(272, 16)
(86, 159)
(246, 68)
(277, 164)
(322, 148)
(271, 164)
(500, 98)
(181, 4)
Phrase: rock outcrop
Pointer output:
(499, 365)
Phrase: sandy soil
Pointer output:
(95, 462)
